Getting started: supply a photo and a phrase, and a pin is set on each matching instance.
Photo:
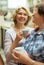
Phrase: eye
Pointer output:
(25, 15)
(19, 13)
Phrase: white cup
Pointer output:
(21, 49)
(25, 32)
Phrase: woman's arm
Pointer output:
(7, 45)
(15, 42)
(26, 59)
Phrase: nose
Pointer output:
(22, 14)
(33, 14)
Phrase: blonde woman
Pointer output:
(21, 19)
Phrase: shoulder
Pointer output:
(11, 32)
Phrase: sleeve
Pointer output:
(7, 44)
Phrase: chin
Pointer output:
(21, 22)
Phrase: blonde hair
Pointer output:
(17, 10)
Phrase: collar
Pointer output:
(42, 32)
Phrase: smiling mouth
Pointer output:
(21, 20)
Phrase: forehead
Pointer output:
(35, 10)
(22, 10)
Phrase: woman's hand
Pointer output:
(25, 59)
(16, 59)
(19, 36)
(21, 56)
(15, 42)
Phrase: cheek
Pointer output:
(17, 16)
(36, 18)
(26, 18)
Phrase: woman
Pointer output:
(20, 19)
(34, 44)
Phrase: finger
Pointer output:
(15, 57)
(17, 53)
(19, 37)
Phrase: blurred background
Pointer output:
(7, 9)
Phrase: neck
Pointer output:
(19, 26)
(41, 27)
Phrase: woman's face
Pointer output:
(21, 16)
(37, 18)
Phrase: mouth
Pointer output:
(22, 19)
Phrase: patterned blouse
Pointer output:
(34, 45)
